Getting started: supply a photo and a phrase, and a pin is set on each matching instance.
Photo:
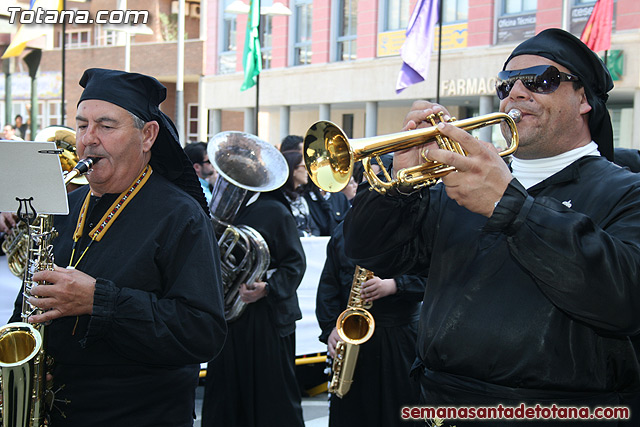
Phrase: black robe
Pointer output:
(157, 312)
(535, 304)
(252, 382)
(326, 213)
(381, 378)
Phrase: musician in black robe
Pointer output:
(381, 383)
(252, 383)
(140, 305)
(533, 292)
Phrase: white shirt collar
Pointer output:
(531, 172)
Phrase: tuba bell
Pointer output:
(329, 155)
(244, 163)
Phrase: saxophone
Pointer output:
(355, 326)
(25, 398)
(15, 246)
(16, 240)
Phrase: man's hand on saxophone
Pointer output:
(68, 292)
(377, 288)
(332, 342)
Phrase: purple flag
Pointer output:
(416, 50)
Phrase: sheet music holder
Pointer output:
(32, 169)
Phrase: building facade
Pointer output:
(339, 60)
(332, 60)
(153, 51)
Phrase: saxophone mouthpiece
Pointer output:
(85, 165)
(515, 114)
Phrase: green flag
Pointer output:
(252, 57)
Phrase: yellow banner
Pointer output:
(454, 36)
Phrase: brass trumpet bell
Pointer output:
(330, 156)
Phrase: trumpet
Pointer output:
(329, 155)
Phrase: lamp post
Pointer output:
(238, 7)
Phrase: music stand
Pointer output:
(31, 170)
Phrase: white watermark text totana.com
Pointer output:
(40, 15)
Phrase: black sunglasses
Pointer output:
(538, 79)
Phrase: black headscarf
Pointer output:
(567, 50)
(142, 95)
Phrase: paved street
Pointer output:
(315, 409)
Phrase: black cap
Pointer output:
(142, 95)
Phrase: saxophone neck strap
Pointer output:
(109, 217)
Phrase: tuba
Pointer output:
(244, 163)
(355, 326)
(329, 155)
(25, 398)
(16, 240)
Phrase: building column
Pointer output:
(371, 119)
(486, 107)
(325, 112)
(215, 122)
(635, 132)
(250, 120)
(204, 115)
(285, 117)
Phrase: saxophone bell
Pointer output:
(23, 360)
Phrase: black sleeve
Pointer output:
(288, 261)
(411, 287)
(187, 322)
(586, 269)
(385, 233)
(329, 303)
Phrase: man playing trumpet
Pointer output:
(532, 293)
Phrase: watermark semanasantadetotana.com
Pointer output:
(40, 15)
(522, 412)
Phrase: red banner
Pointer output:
(597, 32)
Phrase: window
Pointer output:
(347, 30)
(77, 39)
(54, 114)
(455, 11)
(302, 36)
(266, 43)
(227, 48)
(397, 15)
(517, 21)
(512, 7)
(107, 37)
(347, 125)
(192, 122)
